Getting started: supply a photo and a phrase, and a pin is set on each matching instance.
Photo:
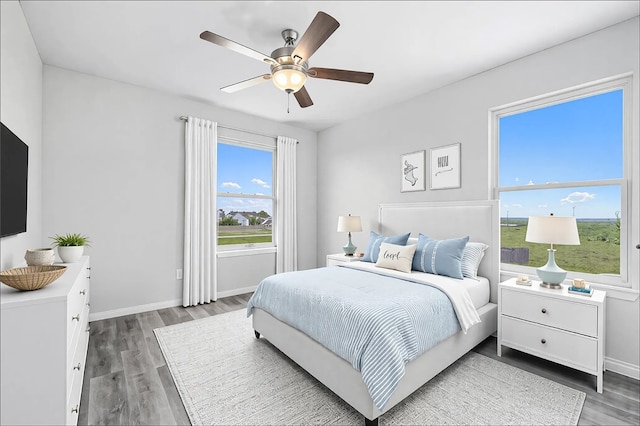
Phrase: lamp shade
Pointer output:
(349, 224)
(553, 230)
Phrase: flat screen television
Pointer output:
(14, 166)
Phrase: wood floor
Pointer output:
(127, 382)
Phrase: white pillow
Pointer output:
(396, 257)
(471, 258)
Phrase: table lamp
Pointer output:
(552, 230)
(349, 224)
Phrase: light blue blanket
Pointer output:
(375, 322)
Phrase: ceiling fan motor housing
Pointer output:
(289, 75)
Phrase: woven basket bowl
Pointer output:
(31, 277)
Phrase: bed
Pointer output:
(479, 220)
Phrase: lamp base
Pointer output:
(550, 274)
(349, 249)
(552, 286)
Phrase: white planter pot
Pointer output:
(70, 254)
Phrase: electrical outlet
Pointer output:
(178, 274)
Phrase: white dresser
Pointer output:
(44, 341)
(554, 325)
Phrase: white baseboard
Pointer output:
(97, 316)
(621, 367)
(236, 291)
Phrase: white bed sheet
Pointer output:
(479, 289)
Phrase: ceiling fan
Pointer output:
(289, 64)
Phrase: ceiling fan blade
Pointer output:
(341, 75)
(303, 98)
(247, 83)
(236, 47)
(318, 32)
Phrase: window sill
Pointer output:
(245, 252)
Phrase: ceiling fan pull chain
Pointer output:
(288, 101)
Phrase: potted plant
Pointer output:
(70, 246)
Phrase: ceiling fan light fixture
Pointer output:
(289, 78)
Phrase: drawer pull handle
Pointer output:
(77, 367)
(75, 410)
(544, 310)
(83, 292)
(543, 341)
(75, 318)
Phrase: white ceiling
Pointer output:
(412, 47)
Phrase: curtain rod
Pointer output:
(184, 118)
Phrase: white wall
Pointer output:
(21, 111)
(113, 167)
(359, 161)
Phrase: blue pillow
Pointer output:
(375, 239)
(440, 257)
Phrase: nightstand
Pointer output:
(554, 325)
(336, 259)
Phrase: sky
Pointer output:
(248, 171)
(573, 141)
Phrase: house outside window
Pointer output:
(245, 195)
(567, 154)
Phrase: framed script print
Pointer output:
(413, 171)
(445, 167)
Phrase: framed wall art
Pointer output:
(445, 167)
(413, 171)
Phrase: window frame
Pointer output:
(227, 250)
(627, 278)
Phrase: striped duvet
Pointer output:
(372, 320)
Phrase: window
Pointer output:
(245, 198)
(565, 154)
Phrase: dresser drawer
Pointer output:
(566, 348)
(79, 331)
(77, 353)
(571, 316)
(76, 303)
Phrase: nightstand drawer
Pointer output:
(556, 345)
(571, 316)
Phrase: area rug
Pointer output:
(226, 376)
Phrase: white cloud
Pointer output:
(531, 183)
(517, 179)
(577, 197)
(260, 182)
(230, 185)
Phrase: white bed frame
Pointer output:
(479, 220)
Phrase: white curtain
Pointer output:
(200, 215)
(286, 235)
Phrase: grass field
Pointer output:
(598, 252)
(243, 235)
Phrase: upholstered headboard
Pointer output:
(441, 220)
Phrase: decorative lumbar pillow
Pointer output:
(375, 239)
(396, 257)
(440, 257)
(471, 258)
